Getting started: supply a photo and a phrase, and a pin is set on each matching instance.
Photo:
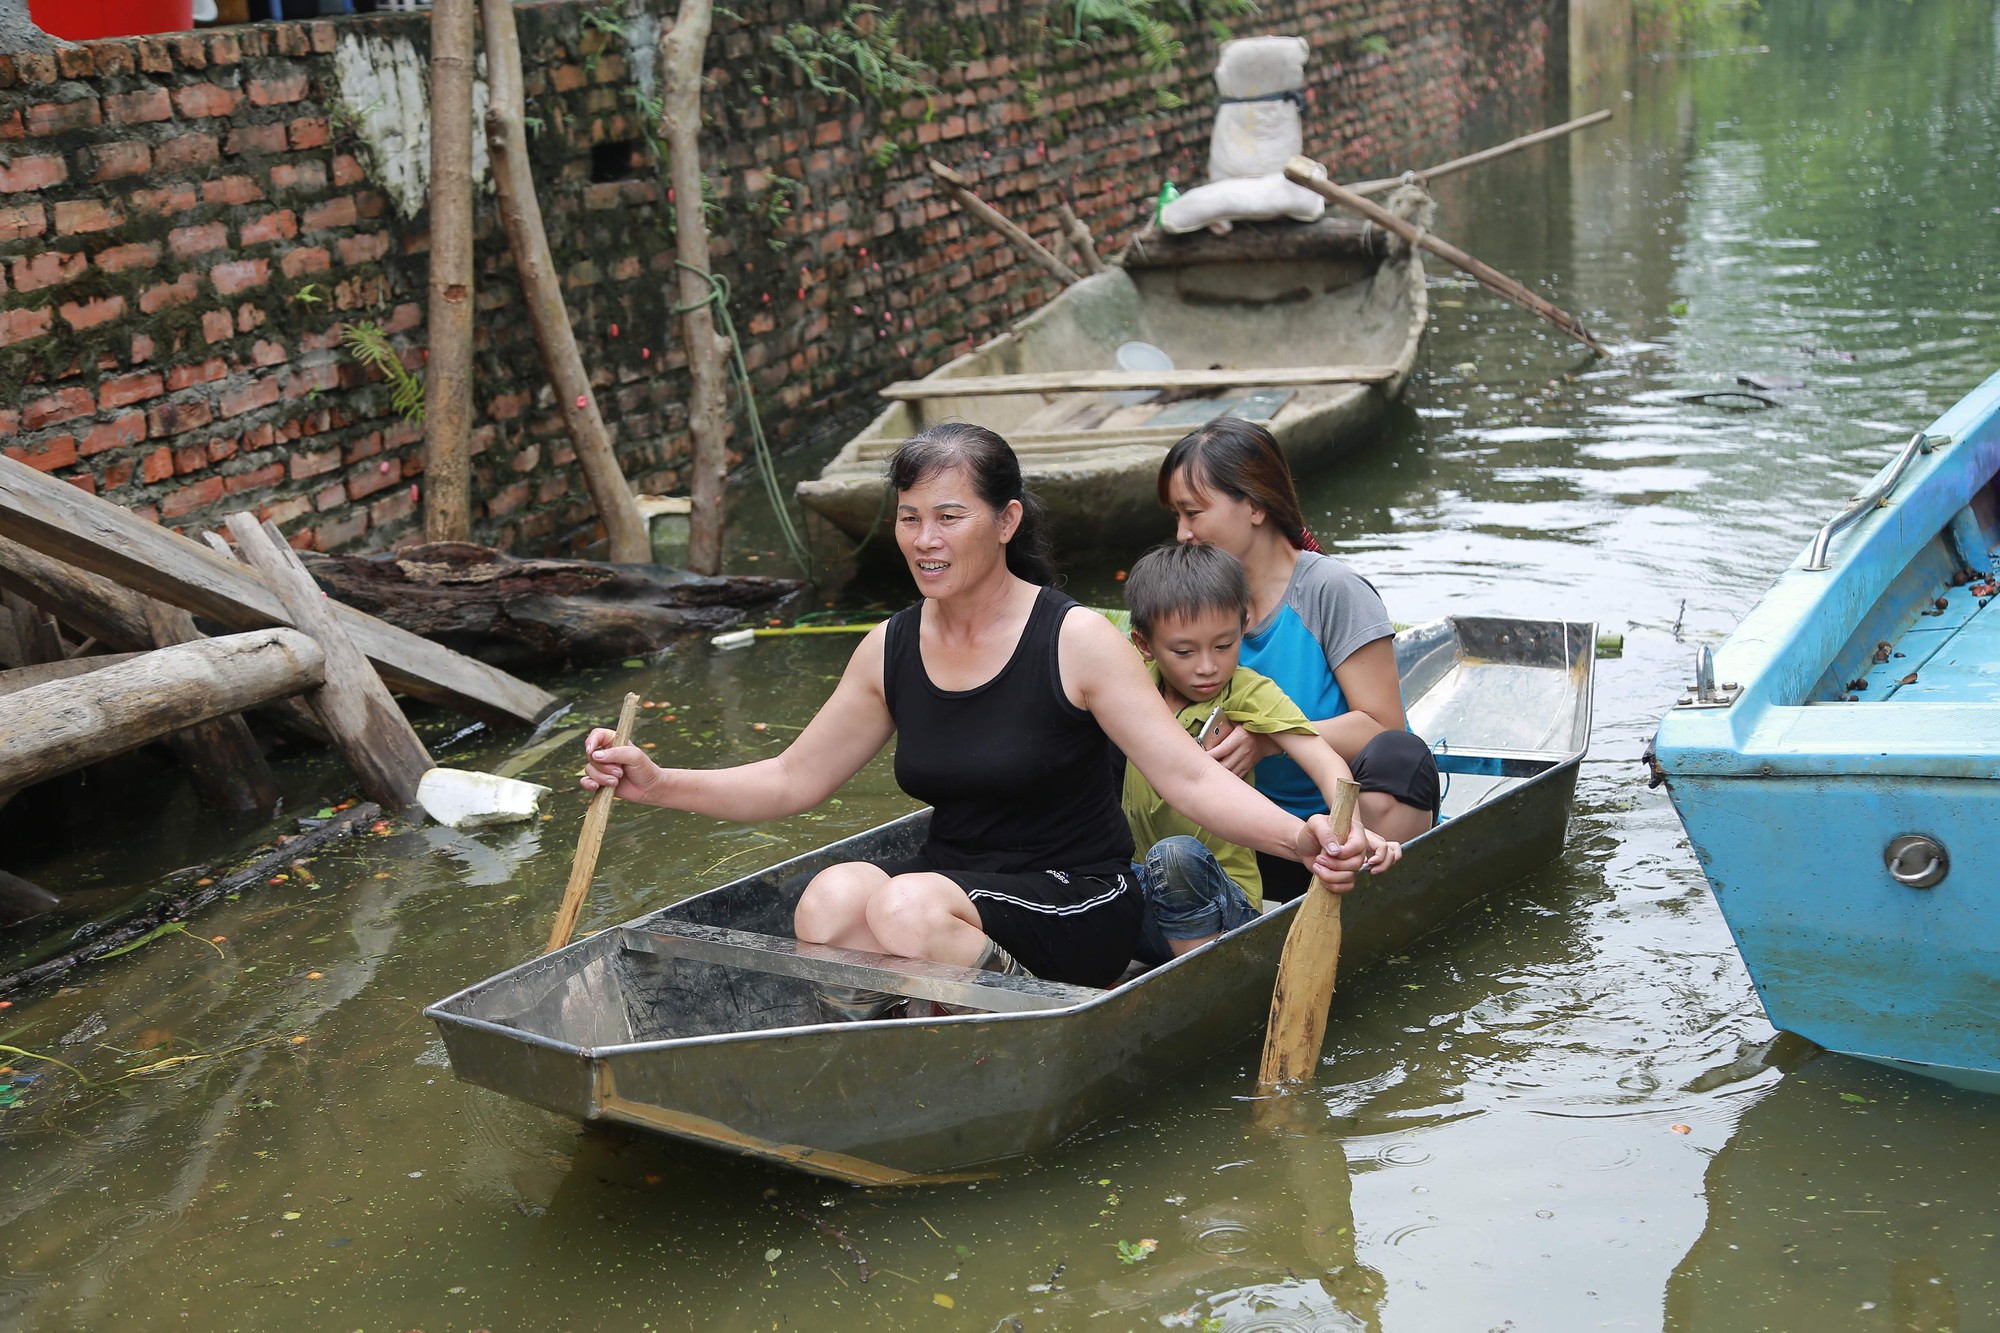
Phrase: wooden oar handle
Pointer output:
(591, 839)
(1306, 970)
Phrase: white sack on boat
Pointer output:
(1257, 138)
(1255, 199)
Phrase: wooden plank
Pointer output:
(93, 534)
(224, 762)
(61, 725)
(25, 678)
(974, 988)
(1107, 381)
(17, 623)
(367, 728)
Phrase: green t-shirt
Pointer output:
(1249, 700)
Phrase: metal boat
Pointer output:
(1289, 301)
(697, 1021)
(1834, 765)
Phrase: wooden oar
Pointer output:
(1485, 154)
(590, 839)
(1305, 972)
(1304, 171)
(960, 189)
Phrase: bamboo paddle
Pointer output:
(590, 839)
(1304, 990)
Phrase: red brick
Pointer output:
(74, 216)
(240, 275)
(142, 348)
(117, 473)
(191, 52)
(197, 100)
(10, 421)
(309, 132)
(190, 498)
(268, 475)
(138, 108)
(128, 429)
(255, 139)
(20, 221)
(159, 465)
(46, 270)
(279, 226)
(346, 170)
(323, 377)
(129, 389)
(218, 450)
(329, 497)
(263, 352)
(48, 455)
(166, 199)
(189, 374)
(185, 152)
(32, 67)
(256, 394)
(314, 464)
(341, 531)
(62, 405)
(224, 49)
(137, 254)
(116, 57)
(169, 294)
(289, 86)
(363, 249)
(216, 325)
(35, 172)
(83, 481)
(186, 242)
(299, 176)
(311, 259)
(248, 317)
(117, 160)
(17, 326)
(172, 418)
(282, 512)
(231, 190)
(190, 458)
(46, 118)
(392, 508)
(89, 314)
(76, 62)
(336, 212)
(364, 482)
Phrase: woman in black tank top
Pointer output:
(1005, 698)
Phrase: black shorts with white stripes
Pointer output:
(1076, 926)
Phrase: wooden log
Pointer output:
(1304, 171)
(186, 893)
(682, 65)
(1483, 156)
(95, 535)
(543, 614)
(448, 361)
(224, 762)
(17, 626)
(1107, 381)
(541, 291)
(960, 189)
(367, 728)
(67, 724)
(1329, 238)
(27, 677)
(1080, 238)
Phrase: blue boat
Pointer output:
(1835, 765)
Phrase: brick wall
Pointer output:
(186, 223)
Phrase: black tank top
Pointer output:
(1018, 777)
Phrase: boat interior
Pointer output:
(1502, 701)
(1931, 637)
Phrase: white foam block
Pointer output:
(463, 799)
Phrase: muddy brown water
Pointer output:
(1566, 1112)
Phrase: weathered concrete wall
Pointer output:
(186, 223)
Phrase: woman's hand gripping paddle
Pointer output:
(1304, 991)
(591, 839)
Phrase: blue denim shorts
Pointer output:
(1187, 897)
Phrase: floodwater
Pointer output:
(1567, 1112)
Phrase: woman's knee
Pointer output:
(836, 900)
(908, 911)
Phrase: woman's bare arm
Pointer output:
(1323, 764)
(1373, 689)
(850, 728)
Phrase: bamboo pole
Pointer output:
(1306, 970)
(541, 289)
(682, 49)
(1483, 156)
(448, 373)
(1080, 238)
(591, 839)
(960, 189)
(1304, 171)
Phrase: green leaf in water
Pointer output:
(170, 928)
(1678, 308)
(1852, 1097)
(633, 662)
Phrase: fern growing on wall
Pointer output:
(370, 346)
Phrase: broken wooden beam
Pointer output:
(367, 728)
(223, 761)
(93, 534)
(26, 678)
(61, 725)
(1109, 381)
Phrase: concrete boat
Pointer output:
(1835, 763)
(697, 1021)
(1311, 329)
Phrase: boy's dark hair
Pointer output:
(1184, 579)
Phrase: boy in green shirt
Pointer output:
(1188, 604)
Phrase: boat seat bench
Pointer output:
(1493, 762)
(946, 983)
